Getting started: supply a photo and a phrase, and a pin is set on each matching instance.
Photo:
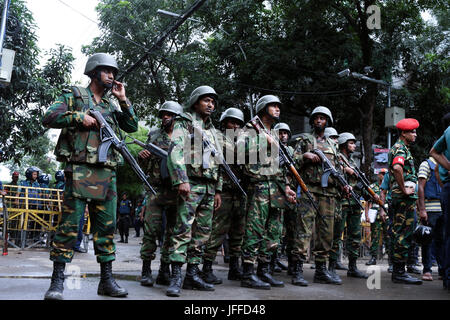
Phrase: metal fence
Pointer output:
(33, 215)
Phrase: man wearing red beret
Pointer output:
(403, 180)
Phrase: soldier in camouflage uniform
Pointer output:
(230, 217)
(267, 194)
(87, 180)
(165, 200)
(311, 168)
(351, 213)
(195, 175)
(379, 227)
(403, 180)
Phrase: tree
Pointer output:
(31, 89)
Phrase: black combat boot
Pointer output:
(163, 277)
(264, 274)
(121, 239)
(193, 281)
(297, 270)
(55, 292)
(146, 279)
(234, 273)
(207, 273)
(274, 267)
(332, 271)
(353, 270)
(107, 285)
(399, 275)
(250, 280)
(321, 275)
(175, 280)
(372, 261)
(126, 239)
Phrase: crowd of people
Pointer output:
(256, 199)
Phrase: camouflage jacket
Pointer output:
(152, 165)
(77, 144)
(185, 160)
(352, 181)
(399, 149)
(312, 172)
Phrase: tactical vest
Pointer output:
(80, 145)
(432, 187)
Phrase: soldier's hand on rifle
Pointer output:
(145, 154)
(217, 201)
(311, 156)
(347, 191)
(184, 189)
(118, 90)
(349, 171)
(89, 122)
(290, 195)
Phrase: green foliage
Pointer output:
(32, 89)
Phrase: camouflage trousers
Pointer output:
(339, 225)
(351, 216)
(402, 228)
(378, 233)
(193, 224)
(263, 226)
(102, 215)
(229, 219)
(305, 219)
(164, 202)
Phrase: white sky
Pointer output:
(57, 23)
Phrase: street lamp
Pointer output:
(347, 72)
(178, 16)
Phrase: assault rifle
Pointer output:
(209, 148)
(157, 151)
(5, 227)
(108, 137)
(329, 169)
(286, 160)
(363, 179)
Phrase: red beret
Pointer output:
(407, 124)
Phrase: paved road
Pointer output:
(25, 275)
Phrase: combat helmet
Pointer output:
(232, 113)
(44, 179)
(59, 175)
(331, 132)
(322, 110)
(199, 92)
(283, 126)
(265, 100)
(100, 60)
(170, 106)
(344, 137)
(29, 172)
